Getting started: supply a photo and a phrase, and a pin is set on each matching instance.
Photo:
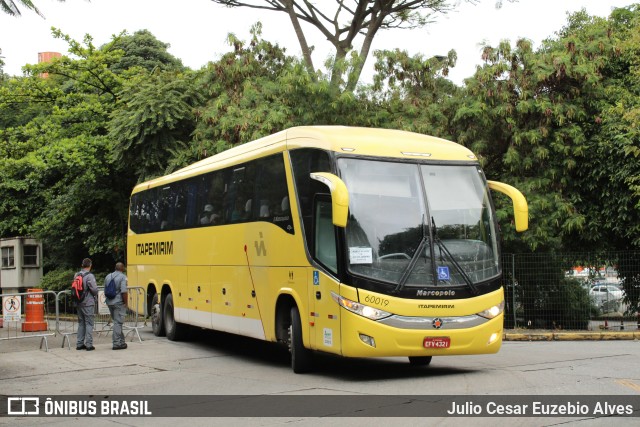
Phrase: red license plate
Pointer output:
(436, 342)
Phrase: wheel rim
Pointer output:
(155, 314)
(168, 318)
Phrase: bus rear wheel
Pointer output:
(157, 324)
(419, 360)
(301, 357)
(174, 330)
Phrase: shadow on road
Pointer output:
(350, 369)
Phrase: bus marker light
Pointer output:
(411, 153)
(368, 340)
(493, 338)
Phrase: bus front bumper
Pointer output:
(362, 337)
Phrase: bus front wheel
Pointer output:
(301, 357)
(419, 360)
(156, 316)
(174, 330)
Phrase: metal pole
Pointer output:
(513, 289)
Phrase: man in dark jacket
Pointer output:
(86, 307)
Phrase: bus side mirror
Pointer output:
(520, 207)
(339, 196)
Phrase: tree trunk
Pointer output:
(306, 52)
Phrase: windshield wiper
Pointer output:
(414, 260)
(459, 268)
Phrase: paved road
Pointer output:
(221, 364)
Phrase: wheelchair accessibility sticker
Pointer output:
(316, 277)
(443, 273)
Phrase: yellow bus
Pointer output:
(352, 241)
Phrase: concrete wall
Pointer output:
(19, 277)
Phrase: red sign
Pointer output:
(436, 342)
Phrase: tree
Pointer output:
(153, 122)
(342, 25)
(256, 90)
(561, 124)
(414, 93)
(144, 50)
(57, 181)
(10, 7)
(1, 67)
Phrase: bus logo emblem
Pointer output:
(437, 323)
(261, 250)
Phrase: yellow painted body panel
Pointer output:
(392, 341)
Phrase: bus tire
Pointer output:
(157, 323)
(175, 331)
(420, 360)
(301, 357)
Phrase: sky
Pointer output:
(197, 29)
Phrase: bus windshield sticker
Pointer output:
(361, 255)
(443, 273)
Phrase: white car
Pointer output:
(606, 297)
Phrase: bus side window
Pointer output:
(304, 161)
(325, 235)
(271, 191)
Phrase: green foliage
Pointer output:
(144, 50)
(256, 90)
(11, 8)
(56, 180)
(62, 178)
(58, 279)
(551, 123)
(2, 76)
(153, 122)
(414, 93)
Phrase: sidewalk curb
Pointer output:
(571, 336)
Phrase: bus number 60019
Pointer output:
(376, 300)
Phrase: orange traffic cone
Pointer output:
(34, 312)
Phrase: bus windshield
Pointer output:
(419, 225)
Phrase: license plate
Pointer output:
(436, 342)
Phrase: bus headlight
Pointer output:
(361, 309)
(492, 312)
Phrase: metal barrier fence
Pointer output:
(575, 291)
(55, 314)
(38, 321)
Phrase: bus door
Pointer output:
(323, 311)
(199, 296)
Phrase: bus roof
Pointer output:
(371, 142)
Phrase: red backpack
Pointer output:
(78, 290)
